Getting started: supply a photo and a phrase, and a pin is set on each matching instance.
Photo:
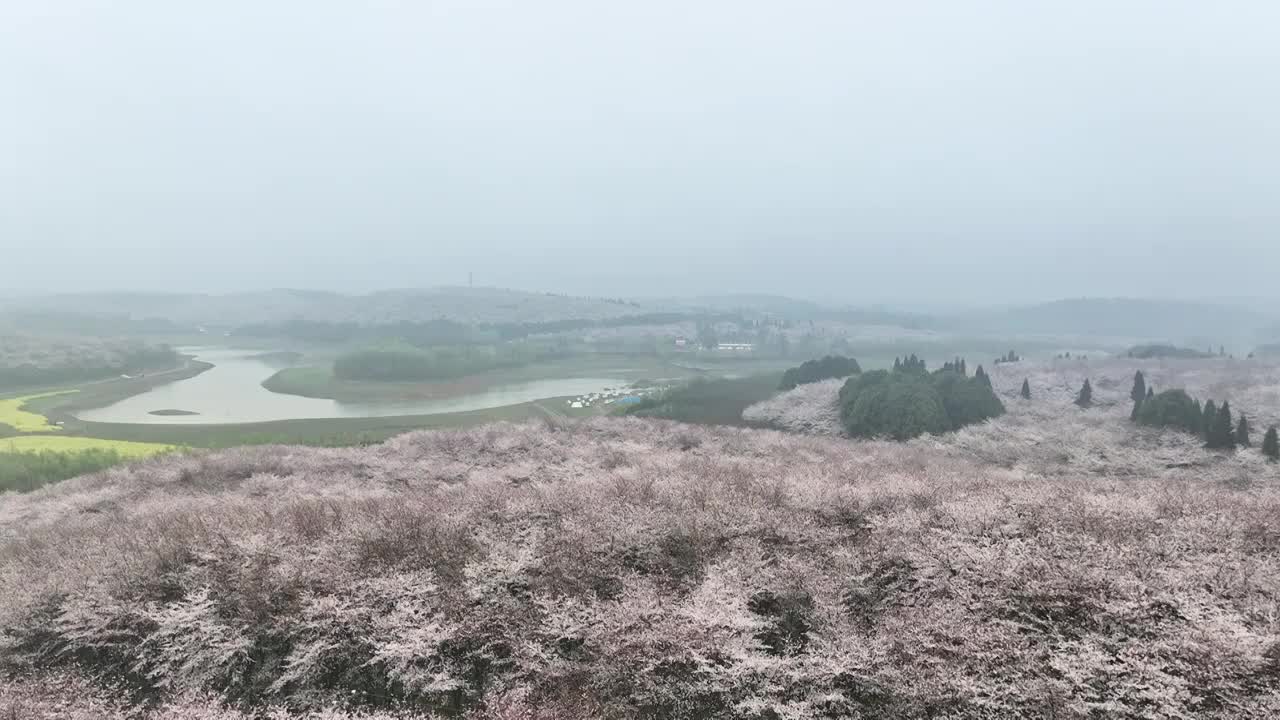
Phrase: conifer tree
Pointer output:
(1195, 416)
(1139, 391)
(1026, 389)
(1085, 398)
(1222, 433)
(981, 376)
(897, 365)
(963, 369)
(1242, 432)
(1271, 444)
(1208, 418)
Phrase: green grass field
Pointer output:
(30, 461)
(710, 402)
(14, 413)
(61, 443)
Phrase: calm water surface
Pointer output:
(231, 392)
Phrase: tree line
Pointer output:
(1212, 422)
(909, 401)
(443, 331)
(112, 360)
(408, 364)
(811, 371)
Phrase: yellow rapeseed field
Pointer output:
(61, 443)
(12, 414)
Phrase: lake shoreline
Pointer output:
(230, 387)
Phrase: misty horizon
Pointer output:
(929, 154)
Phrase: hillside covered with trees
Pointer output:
(623, 568)
(31, 361)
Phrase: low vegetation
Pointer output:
(30, 461)
(24, 471)
(626, 568)
(810, 409)
(63, 443)
(14, 414)
(811, 371)
(708, 401)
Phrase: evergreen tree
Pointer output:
(1195, 415)
(1271, 444)
(981, 376)
(1222, 433)
(1242, 432)
(963, 369)
(1026, 390)
(1085, 398)
(1208, 418)
(1151, 391)
(1139, 391)
(897, 365)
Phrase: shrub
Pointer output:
(1085, 398)
(24, 471)
(1139, 391)
(1171, 408)
(503, 573)
(1242, 432)
(1271, 444)
(719, 401)
(831, 366)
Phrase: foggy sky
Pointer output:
(859, 151)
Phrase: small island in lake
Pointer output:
(172, 412)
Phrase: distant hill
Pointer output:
(1185, 323)
(794, 309)
(779, 305)
(1146, 352)
(389, 306)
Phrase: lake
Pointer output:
(232, 392)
